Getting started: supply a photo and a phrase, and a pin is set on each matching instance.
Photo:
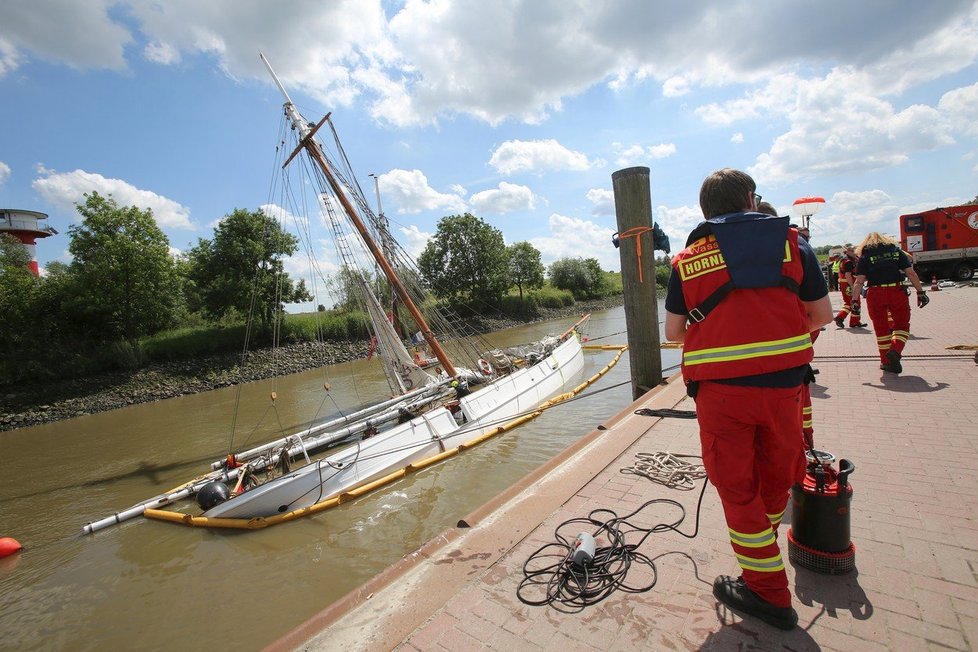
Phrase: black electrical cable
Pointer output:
(570, 586)
(666, 412)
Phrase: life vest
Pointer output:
(883, 264)
(734, 268)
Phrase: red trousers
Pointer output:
(753, 455)
(846, 291)
(889, 310)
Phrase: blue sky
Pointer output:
(518, 112)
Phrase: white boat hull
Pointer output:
(418, 439)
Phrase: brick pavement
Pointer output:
(913, 439)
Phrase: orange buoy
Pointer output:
(8, 546)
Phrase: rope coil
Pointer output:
(667, 469)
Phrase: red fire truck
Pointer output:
(943, 242)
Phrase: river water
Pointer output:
(149, 585)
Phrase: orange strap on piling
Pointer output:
(635, 232)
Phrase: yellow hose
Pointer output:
(260, 522)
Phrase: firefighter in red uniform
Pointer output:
(884, 265)
(847, 270)
(746, 376)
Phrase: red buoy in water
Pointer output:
(8, 546)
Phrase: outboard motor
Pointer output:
(212, 494)
(819, 535)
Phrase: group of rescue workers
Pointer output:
(750, 378)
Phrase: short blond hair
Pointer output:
(875, 239)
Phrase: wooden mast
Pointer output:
(316, 154)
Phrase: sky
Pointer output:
(518, 112)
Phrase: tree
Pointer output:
(241, 269)
(466, 261)
(122, 273)
(18, 289)
(583, 277)
(525, 268)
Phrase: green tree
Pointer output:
(581, 276)
(123, 275)
(525, 268)
(241, 269)
(466, 261)
(18, 290)
(663, 269)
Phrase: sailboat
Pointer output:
(430, 416)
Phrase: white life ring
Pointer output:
(485, 367)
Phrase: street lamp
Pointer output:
(805, 207)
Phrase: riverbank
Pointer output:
(29, 405)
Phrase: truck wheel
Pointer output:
(963, 272)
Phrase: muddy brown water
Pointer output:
(157, 586)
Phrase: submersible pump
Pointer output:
(819, 535)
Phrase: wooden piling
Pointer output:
(633, 210)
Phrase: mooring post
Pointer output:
(633, 210)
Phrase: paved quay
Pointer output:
(913, 439)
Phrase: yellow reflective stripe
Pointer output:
(885, 285)
(902, 336)
(756, 540)
(775, 518)
(747, 351)
(766, 565)
(806, 410)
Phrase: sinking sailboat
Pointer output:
(429, 417)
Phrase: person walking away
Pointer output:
(847, 266)
(834, 273)
(746, 375)
(884, 265)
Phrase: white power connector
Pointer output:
(583, 551)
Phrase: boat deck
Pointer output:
(913, 439)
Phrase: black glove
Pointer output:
(922, 299)
(855, 307)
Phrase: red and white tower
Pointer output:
(26, 226)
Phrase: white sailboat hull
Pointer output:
(418, 439)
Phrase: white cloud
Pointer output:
(506, 198)
(837, 127)
(536, 156)
(80, 34)
(162, 53)
(10, 59)
(64, 190)
(572, 237)
(603, 200)
(849, 216)
(675, 87)
(414, 240)
(4, 172)
(737, 138)
(960, 106)
(677, 223)
(410, 192)
(641, 154)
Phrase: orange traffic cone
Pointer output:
(934, 287)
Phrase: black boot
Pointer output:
(734, 593)
(894, 364)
